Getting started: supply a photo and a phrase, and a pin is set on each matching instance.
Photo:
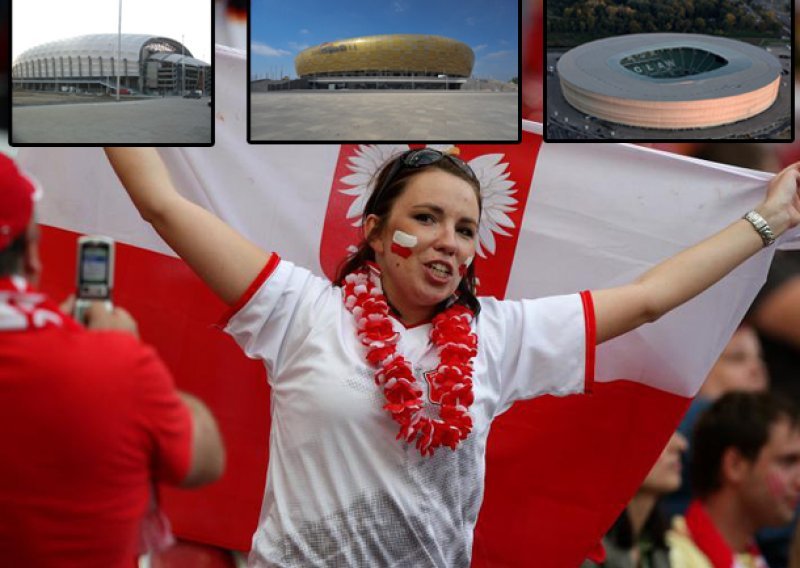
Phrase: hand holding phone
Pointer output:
(95, 274)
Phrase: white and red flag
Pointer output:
(557, 218)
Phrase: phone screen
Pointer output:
(95, 264)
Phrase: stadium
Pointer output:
(89, 63)
(669, 81)
(399, 61)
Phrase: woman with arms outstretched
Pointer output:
(384, 384)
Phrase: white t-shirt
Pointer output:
(341, 490)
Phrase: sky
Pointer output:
(280, 29)
(38, 21)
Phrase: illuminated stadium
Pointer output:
(669, 81)
(400, 61)
(148, 65)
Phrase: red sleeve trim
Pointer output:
(591, 339)
(266, 272)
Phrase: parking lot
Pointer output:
(172, 120)
(338, 116)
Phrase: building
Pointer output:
(88, 63)
(398, 61)
(669, 81)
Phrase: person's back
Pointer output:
(90, 418)
(87, 416)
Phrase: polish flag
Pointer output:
(557, 218)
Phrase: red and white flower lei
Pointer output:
(450, 384)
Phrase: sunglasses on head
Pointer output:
(418, 159)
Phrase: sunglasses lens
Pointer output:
(423, 157)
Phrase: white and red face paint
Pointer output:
(403, 243)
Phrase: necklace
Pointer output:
(450, 383)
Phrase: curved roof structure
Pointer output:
(669, 80)
(397, 53)
(100, 45)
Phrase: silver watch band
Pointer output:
(761, 226)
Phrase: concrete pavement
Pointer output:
(338, 116)
(171, 120)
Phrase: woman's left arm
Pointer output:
(682, 277)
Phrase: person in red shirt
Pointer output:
(90, 418)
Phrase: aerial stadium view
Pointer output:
(669, 86)
(389, 76)
(107, 88)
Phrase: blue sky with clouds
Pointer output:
(280, 29)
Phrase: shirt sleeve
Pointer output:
(538, 347)
(168, 421)
(278, 312)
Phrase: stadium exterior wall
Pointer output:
(673, 115)
(147, 64)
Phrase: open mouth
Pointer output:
(440, 269)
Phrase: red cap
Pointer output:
(16, 201)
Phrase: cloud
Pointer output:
(471, 21)
(263, 49)
(399, 6)
(480, 47)
(497, 55)
(304, 31)
(298, 46)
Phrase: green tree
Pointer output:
(699, 24)
(729, 22)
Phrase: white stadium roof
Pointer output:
(95, 45)
(595, 66)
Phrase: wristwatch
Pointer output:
(761, 226)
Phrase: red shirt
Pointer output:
(88, 420)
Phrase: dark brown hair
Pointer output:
(11, 257)
(737, 420)
(381, 206)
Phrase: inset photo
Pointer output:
(636, 71)
(406, 70)
(106, 72)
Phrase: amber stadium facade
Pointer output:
(669, 81)
(398, 61)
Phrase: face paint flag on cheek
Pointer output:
(462, 270)
(402, 243)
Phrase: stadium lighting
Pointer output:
(119, 45)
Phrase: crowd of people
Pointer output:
(395, 367)
(733, 496)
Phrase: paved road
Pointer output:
(158, 121)
(383, 115)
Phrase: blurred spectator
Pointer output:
(740, 367)
(91, 418)
(775, 313)
(745, 476)
(638, 536)
(753, 156)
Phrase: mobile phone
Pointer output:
(95, 273)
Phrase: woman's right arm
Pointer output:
(226, 261)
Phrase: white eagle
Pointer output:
(497, 191)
